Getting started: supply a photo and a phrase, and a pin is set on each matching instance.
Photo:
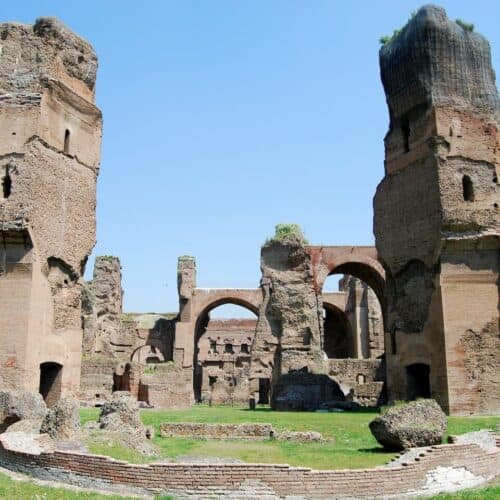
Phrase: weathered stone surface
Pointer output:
(418, 423)
(50, 134)
(300, 437)
(62, 421)
(20, 405)
(117, 345)
(224, 360)
(122, 411)
(120, 423)
(217, 431)
(290, 325)
(27, 426)
(102, 308)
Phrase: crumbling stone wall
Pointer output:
(436, 213)
(289, 331)
(50, 134)
(361, 380)
(112, 340)
(224, 359)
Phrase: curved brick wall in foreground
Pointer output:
(438, 468)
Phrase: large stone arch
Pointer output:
(360, 262)
(206, 301)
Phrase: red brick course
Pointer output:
(282, 479)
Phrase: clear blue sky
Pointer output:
(223, 118)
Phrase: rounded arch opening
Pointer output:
(357, 292)
(223, 337)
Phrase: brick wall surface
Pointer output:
(244, 480)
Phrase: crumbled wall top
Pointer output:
(31, 54)
(434, 61)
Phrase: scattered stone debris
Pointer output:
(414, 424)
(20, 405)
(120, 420)
(236, 431)
(300, 436)
(62, 421)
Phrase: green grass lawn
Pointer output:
(13, 489)
(353, 445)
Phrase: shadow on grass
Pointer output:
(266, 409)
(375, 449)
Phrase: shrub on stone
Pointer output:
(286, 232)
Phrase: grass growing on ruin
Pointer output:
(353, 446)
(10, 488)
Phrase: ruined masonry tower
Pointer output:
(437, 221)
(49, 161)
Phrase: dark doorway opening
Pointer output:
(338, 338)
(418, 381)
(264, 387)
(50, 382)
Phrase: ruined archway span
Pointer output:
(202, 319)
(203, 315)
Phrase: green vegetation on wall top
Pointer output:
(284, 231)
(186, 258)
(385, 39)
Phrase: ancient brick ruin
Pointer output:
(436, 215)
(175, 360)
(49, 161)
(415, 316)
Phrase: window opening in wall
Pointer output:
(418, 381)
(213, 347)
(467, 188)
(66, 141)
(244, 348)
(360, 379)
(228, 349)
(6, 183)
(211, 380)
(405, 129)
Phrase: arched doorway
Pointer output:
(222, 343)
(50, 382)
(358, 317)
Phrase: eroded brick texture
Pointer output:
(50, 135)
(436, 215)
